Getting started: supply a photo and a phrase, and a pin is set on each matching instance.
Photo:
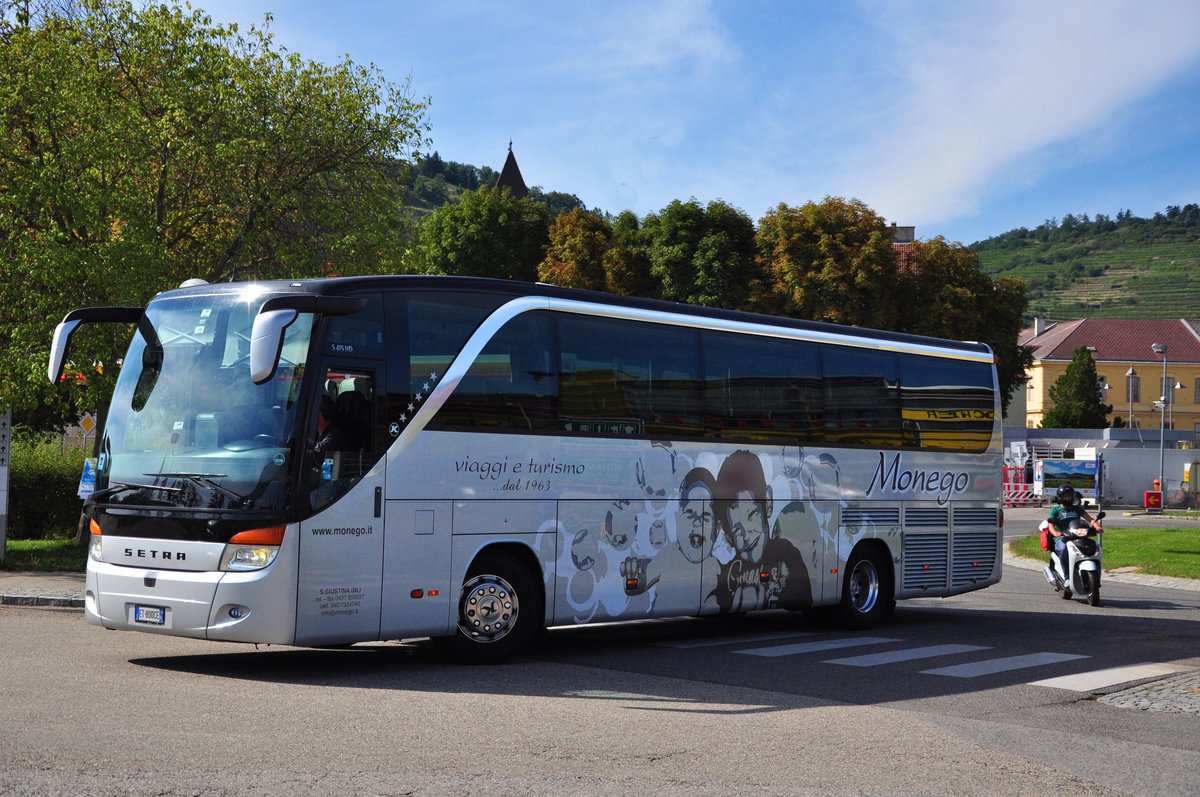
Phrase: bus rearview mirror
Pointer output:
(266, 342)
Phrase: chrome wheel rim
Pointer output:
(864, 586)
(488, 609)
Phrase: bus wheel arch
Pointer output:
(501, 606)
(868, 592)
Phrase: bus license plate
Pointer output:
(151, 615)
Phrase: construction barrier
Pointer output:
(1021, 495)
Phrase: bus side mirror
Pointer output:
(74, 319)
(266, 343)
(58, 349)
(276, 314)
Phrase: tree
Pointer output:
(1077, 398)
(701, 255)
(942, 293)
(139, 148)
(486, 233)
(626, 264)
(575, 255)
(830, 261)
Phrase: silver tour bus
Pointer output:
(333, 461)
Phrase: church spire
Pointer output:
(510, 176)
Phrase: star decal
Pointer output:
(417, 398)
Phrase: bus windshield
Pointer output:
(188, 428)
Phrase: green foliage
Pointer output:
(575, 254)
(142, 147)
(43, 481)
(1154, 551)
(1077, 398)
(1127, 267)
(831, 261)
(701, 255)
(486, 233)
(61, 555)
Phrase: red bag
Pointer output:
(1046, 543)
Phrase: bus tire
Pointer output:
(865, 591)
(499, 610)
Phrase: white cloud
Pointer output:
(986, 90)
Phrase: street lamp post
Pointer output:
(1129, 375)
(1160, 348)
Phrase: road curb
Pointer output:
(41, 600)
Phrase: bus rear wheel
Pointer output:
(865, 593)
(499, 610)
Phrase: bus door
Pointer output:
(339, 586)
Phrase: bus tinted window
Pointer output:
(513, 382)
(862, 397)
(948, 404)
(762, 388)
(626, 378)
(357, 335)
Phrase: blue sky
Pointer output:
(965, 119)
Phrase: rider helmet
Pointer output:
(1065, 495)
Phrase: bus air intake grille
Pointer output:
(976, 516)
(974, 558)
(926, 516)
(871, 516)
(925, 562)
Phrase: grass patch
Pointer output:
(1160, 552)
(45, 555)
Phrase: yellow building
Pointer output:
(1130, 356)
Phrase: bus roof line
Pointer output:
(865, 341)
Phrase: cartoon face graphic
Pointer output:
(747, 528)
(620, 525)
(656, 473)
(695, 530)
(584, 550)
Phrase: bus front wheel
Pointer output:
(865, 593)
(499, 610)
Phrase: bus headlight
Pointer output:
(252, 550)
(95, 547)
(241, 557)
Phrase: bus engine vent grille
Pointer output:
(926, 516)
(925, 562)
(976, 516)
(871, 516)
(974, 557)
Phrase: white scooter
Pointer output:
(1084, 557)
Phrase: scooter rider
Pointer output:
(1066, 508)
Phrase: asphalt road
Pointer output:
(951, 697)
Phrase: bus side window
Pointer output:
(512, 384)
(948, 404)
(863, 396)
(629, 378)
(759, 389)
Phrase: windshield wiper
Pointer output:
(205, 479)
(120, 487)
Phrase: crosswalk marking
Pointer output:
(734, 640)
(1100, 679)
(910, 654)
(1079, 682)
(814, 647)
(992, 666)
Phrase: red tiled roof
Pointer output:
(1117, 339)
